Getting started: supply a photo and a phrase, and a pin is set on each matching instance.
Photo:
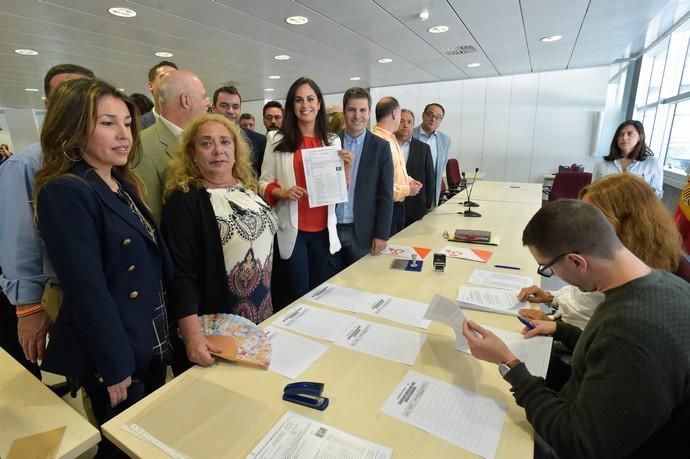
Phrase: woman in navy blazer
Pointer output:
(110, 335)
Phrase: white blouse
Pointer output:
(651, 170)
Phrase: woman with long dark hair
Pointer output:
(629, 153)
(306, 234)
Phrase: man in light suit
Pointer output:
(228, 102)
(156, 73)
(420, 164)
(181, 96)
(364, 222)
(439, 142)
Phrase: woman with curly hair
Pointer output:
(220, 234)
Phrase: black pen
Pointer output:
(507, 267)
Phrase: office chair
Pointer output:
(454, 179)
(569, 184)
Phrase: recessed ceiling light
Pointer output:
(296, 20)
(163, 54)
(355, 78)
(473, 65)
(269, 89)
(274, 77)
(26, 52)
(438, 29)
(551, 38)
(31, 90)
(122, 12)
(281, 57)
(121, 89)
(385, 60)
(423, 15)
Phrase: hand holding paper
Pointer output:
(484, 345)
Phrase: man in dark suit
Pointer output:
(364, 221)
(420, 164)
(228, 102)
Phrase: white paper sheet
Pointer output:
(535, 352)
(296, 436)
(383, 341)
(292, 354)
(400, 310)
(461, 417)
(500, 280)
(490, 300)
(349, 299)
(447, 311)
(315, 322)
(324, 172)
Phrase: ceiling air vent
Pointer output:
(458, 50)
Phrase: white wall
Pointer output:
(515, 127)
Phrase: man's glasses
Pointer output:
(546, 270)
(434, 117)
(273, 117)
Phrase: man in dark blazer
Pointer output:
(419, 164)
(228, 102)
(364, 221)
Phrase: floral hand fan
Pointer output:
(240, 339)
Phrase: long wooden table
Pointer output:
(28, 407)
(357, 384)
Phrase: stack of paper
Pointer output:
(461, 417)
(500, 280)
(490, 300)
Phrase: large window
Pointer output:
(662, 100)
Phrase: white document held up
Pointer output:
(447, 311)
(383, 341)
(490, 300)
(345, 298)
(500, 280)
(324, 172)
(292, 354)
(461, 417)
(297, 436)
(315, 322)
(535, 352)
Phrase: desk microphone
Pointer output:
(470, 203)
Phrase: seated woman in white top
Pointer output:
(629, 153)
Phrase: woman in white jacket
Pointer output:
(306, 234)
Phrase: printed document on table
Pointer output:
(383, 341)
(400, 310)
(443, 309)
(297, 436)
(316, 322)
(535, 352)
(500, 280)
(324, 172)
(463, 418)
(349, 299)
(292, 354)
(490, 300)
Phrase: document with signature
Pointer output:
(383, 341)
(297, 436)
(324, 172)
(463, 418)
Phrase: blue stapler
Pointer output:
(307, 394)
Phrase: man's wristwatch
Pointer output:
(505, 367)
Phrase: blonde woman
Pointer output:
(220, 234)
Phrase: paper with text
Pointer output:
(463, 418)
(292, 354)
(383, 341)
(316, 322)
(349, 299)
(500, 280)
(296, 436)
(443, 309)
(490, 300)
(324, 172)
(400, 310)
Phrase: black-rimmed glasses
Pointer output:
(546, 270)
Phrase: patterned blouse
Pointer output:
(247, 226)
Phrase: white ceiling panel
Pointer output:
(236, 40)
